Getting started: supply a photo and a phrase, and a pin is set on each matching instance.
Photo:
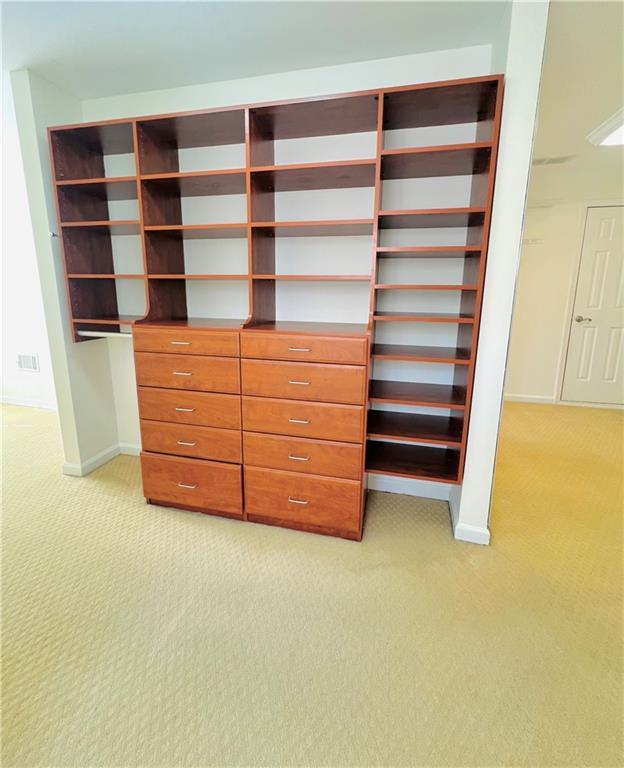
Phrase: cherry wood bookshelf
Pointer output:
(89, 186)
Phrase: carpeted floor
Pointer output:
(140, 636)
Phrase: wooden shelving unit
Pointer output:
(141, 180)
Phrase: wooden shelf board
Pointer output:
(424, 162)
(113, 138)
(215, 323)
(308, 176)
(99, 276)
(114, 227)
(318, 117)
(200, 183)
(420, 462)
(201, 129)
(415, 393)
(202, 231)
(422, 354)
(113, 320)
(422, 317)
(443, 104)
(427, 252)
(304, 328)
(113, 187)
(315, 278)
(422, 287)
(433, 217)
(415, 427)
(213, 276)
(327, 228)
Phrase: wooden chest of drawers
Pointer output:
(266, 427)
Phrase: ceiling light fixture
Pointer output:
(610, 133)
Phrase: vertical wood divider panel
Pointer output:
(137, 170)
(373, 283)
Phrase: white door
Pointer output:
(594, 365)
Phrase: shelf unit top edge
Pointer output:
(311, 222)
(312, 278)
(196, 276)
(435, 148)
(431, 211)
(428, 248)
(95, 180)
(495, 78)
(192, 174)
(423, 287)
(313, 166)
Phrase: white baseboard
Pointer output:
(530, 399)
(28, 403)
(82, 469)
(555, 401)
(408, 487)
(129, 449)
(474, 534)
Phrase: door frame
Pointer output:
(571, 300)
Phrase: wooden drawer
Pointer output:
(209, 486)
(304, 419)
(186, 341)
(208, 374)
(304, 381)
(205, 409)
(320, 349)
(312, 457)
(187, 440)
(305, 501)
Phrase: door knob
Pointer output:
(581, 319)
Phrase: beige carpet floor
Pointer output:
(142, 636)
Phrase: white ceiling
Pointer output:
(582, 86)
(94, 49)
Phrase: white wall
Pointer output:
(82, 373)
(544, 303)
(470, 503)
(23, 323)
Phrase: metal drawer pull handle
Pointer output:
(299, 458)
(182, 373)
(190, 487)
(183, 442)
(297, 501)
(185, 410)
(181, 343)
(299, 349)
(299, 421)
(293, 381)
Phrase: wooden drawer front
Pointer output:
(320, 349)
(302, 499)
(185, 341)
(208, 485)
(187, 440)
(302, 419)
(205, 409)
(304, 381)
(208, 374)
(312, 457)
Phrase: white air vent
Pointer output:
(552, 160)
(28, 362)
